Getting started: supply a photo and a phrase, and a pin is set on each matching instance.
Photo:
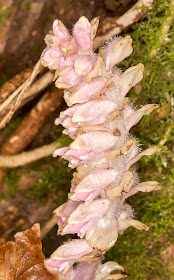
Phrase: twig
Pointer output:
(31, 124)
(47, 227)
(27, 157)
(10, 86)
(131, 16)
(43, 82)
(40, 84)
(24, 87)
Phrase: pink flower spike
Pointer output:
(98, 120)
(82, 33)
(60, 31)
(83, 64)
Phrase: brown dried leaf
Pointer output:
(24, 260)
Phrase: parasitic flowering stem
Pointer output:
(98, 120)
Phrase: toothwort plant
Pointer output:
(103, 151)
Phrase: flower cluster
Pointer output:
(102, 150)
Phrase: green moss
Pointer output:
(142, 252)
(12, 125)
(35, 49)
(4, 14)
(26, 6)
(54, 183)
(11, 180)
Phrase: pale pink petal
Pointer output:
(86, 271)
(86, 212)
(93, 111)
(104, 235)
(148, 152)
(83, 64)
(118, 50)
(77, 153)
(52, 54)
(65, 210)
(82, 33)
(60, 152)
(52, 57)
(66, 62)
(86, 91)
(79, 229)
(70, 111)
(68, 122)
(69, 48)
(69, 80)
(59, 121)
(93, 141)
(72, 250)
(137, 115)
(84, 196)
(60, 31)
(96, 180)
(130, 78)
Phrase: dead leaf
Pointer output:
(23, 259)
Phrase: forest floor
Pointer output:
(29, 194)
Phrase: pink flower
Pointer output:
(64, 211)
(94, 184)
(86, 216)
(82, 33)
(67, 254)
